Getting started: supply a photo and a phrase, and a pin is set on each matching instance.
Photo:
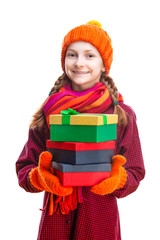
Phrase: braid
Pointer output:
(110, 85)
(61, 81)
(38, 119)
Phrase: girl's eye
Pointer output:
(90, 55)
(71, 55)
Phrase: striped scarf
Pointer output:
(93, 100)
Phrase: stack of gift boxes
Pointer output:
(82, 147)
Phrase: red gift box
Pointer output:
(73, 179)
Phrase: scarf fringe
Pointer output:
(64, 204)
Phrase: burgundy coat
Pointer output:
(97, 217)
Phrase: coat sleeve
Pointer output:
(29, 158)
(128, 145)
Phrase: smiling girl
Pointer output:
(86, 87)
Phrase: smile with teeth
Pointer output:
(80, 72)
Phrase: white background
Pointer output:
(31, 33)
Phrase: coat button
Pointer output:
(67, 221)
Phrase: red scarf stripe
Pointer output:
(100, 109)
(59, 104)
(98, 101)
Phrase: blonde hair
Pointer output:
(39, 120)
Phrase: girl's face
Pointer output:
(83, 65)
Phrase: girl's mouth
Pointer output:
(80, 72)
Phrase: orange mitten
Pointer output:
(42, 177)
(117, 180)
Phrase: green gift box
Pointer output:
(83, 127)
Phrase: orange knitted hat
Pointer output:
(93, 33)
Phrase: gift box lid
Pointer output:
(80, 146)
(83, 119)
(100, 167)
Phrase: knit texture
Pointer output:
(43, 178)
(117, 180)
(93, 34)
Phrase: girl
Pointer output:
(85, 86)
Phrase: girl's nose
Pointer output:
(79, 62)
